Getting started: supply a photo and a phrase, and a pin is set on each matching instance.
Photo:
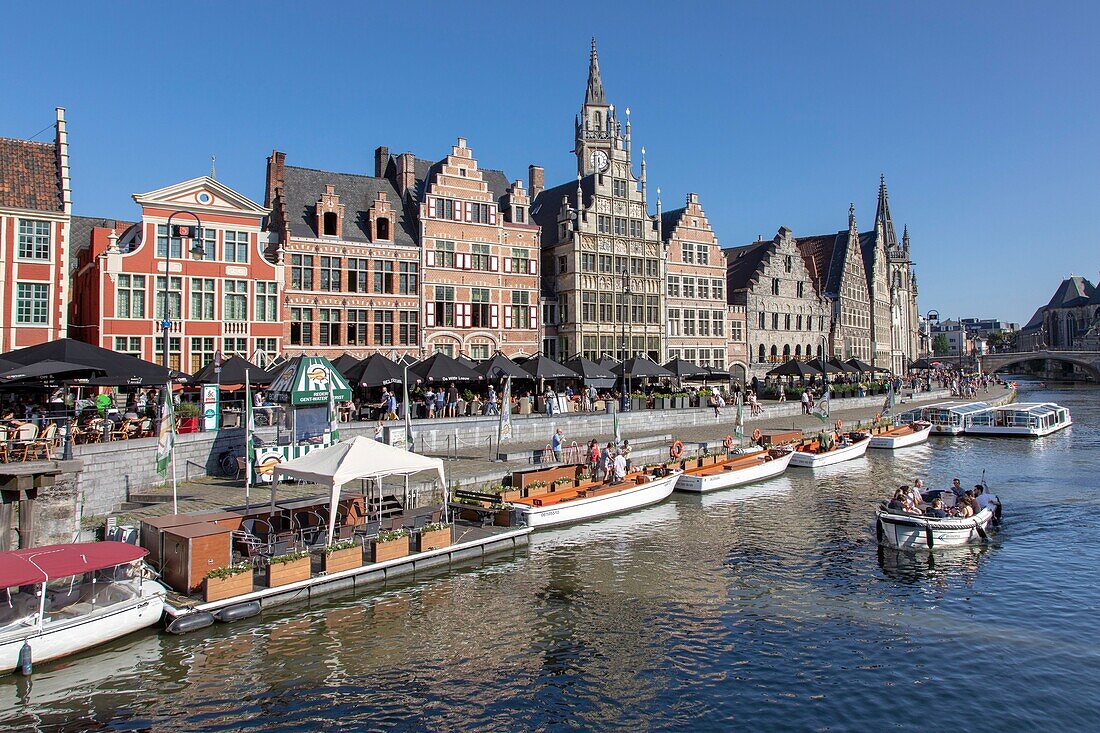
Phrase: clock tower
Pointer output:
(596, 126)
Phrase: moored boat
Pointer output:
(596, 499)
(845, 447)
(736, 471)
(947, 418)
(915, 531)
(1026, 419)
(902, 436)
(62, 599)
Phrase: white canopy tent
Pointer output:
(351, 460)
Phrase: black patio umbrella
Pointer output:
(794, 368)
(233, 371)
(344, 362)
(921, 364)
(640, 366)
(842, 366)
(592, 373)
(685, 369)
(439, 368)
(860, 366)
(608, 363)
(716, 373)
(542, 367)
(823, 366)
(375, 371)
(499, 366)
(43, 370)
(465, 361)
(406, 359)
(118, 369)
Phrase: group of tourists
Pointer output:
(611, 463)
(956, 502)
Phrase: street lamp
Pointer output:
(181, 231)
(933, 316)
(626, 301)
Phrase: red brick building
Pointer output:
(35, 210)
(223, 293)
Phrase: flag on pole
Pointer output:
(889, 403)
(739, 428)
(166, 434)
(250, 430)
(615, 424)
(504, 422)
(821, 409)
(408, 409)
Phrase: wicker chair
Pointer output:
(43, 444)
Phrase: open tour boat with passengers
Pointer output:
(1028, 419)
(591, 499)
(901, 435)
(712, 473)
(947, 418)
(835, 448)
(62, 599)
(907, 530)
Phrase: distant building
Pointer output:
(986, 326)
(35, 217)
(1070, 320)
(221, 291)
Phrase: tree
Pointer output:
(940, 345)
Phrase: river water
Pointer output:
(770, 608)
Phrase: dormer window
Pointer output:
(331, 222)
(382, 229)
(330, 213)
(519, 216)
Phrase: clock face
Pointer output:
(599, 160)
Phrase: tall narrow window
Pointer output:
(301, 326)
(267, 301)
(330, 220)
(236, 300)
(175, 296)
(383, 277)
(329, 325)
(479, 317)
(383, 228)
(130, 296)
(358, 274)
(409, 333)
(32, 303)
(357, 326)
(34, 239)
(202, 299)
(330, 274)
(409, 278)
(301, 272)
(383, 328)
(444, 306)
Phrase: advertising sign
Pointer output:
(210, 407)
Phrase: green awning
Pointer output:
(305, 381)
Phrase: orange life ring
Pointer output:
(728, 442)
(677, 449)
(839, 425)
(756, 435)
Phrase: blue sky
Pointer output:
(982, 115)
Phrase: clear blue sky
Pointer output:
(983, 116)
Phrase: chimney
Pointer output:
(406, 173)
(276, 175)
(381, 157)
(62, 143)
(536, 180)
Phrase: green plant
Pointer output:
(537, 485)
(229, 571)
(434, 527)
(494, 489)
(342, 545)
(289, 557)
(468, 395)
(188, 409)
(563, 480)
(390, 535)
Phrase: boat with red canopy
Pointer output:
(60, 599)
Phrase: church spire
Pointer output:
(594, 93)
(882, 215)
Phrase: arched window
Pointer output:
(819, 351)
(786, 352)
(599, 121)
(762, 354)
(382, 227)
(775, 353)
(329, 221)
(798, 351)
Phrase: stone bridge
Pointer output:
(1089, 361)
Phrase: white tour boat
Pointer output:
(1028, 419)
(914, 531)
(62, 599)
(596, 499)
(736, 471)
(847, 447)
(902, 436)
(947, 418)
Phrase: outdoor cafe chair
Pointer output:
(4, 457)
(420, 521)
(24, 443)
(368, 530)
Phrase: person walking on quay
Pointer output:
(714, 403)
(491, 408)
(555, 444)
(782, 394)
(429, 403)
(452, 401)
(593, 459)
(606, 456)
(805, 402)
(550, 397)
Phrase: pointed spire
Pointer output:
(851, 216)
(213, 170)
(882, 215)
(594, 93)
(905, 238)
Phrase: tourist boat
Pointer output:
(1029, 419)
(62, 599)
(806, 455)
(947, 418)
(736, 471)
(913, 531)
(902, 436)
(596, 499)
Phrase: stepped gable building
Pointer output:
(837, 264)
(35, 218)
(420, 257)
(602, 255)
(1069, 320)
(786, 317)
(702, 327)
(222, 292)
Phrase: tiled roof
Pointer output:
(302, 188)
(29, 178)
(669, 220)
(545, 207)
(742, 263)
(1073, 291)
(820, 253)
(80, 234)
(867, 242)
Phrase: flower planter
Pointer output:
(637, 403)
(334, 562)
(433, 540)
(285, 573)
(187, 425)
(503, 518)
(511, 495)
(383, 551)
(215, 589)
(662, 403)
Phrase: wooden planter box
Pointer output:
(511, 495)
(215, 589)
(433, 540)
(334, 562)
(383, 551)
(288, 572)
(502, 518)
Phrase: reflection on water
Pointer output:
(762, 607)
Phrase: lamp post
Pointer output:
(933, 316)
(181, 232)
(626, 303)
